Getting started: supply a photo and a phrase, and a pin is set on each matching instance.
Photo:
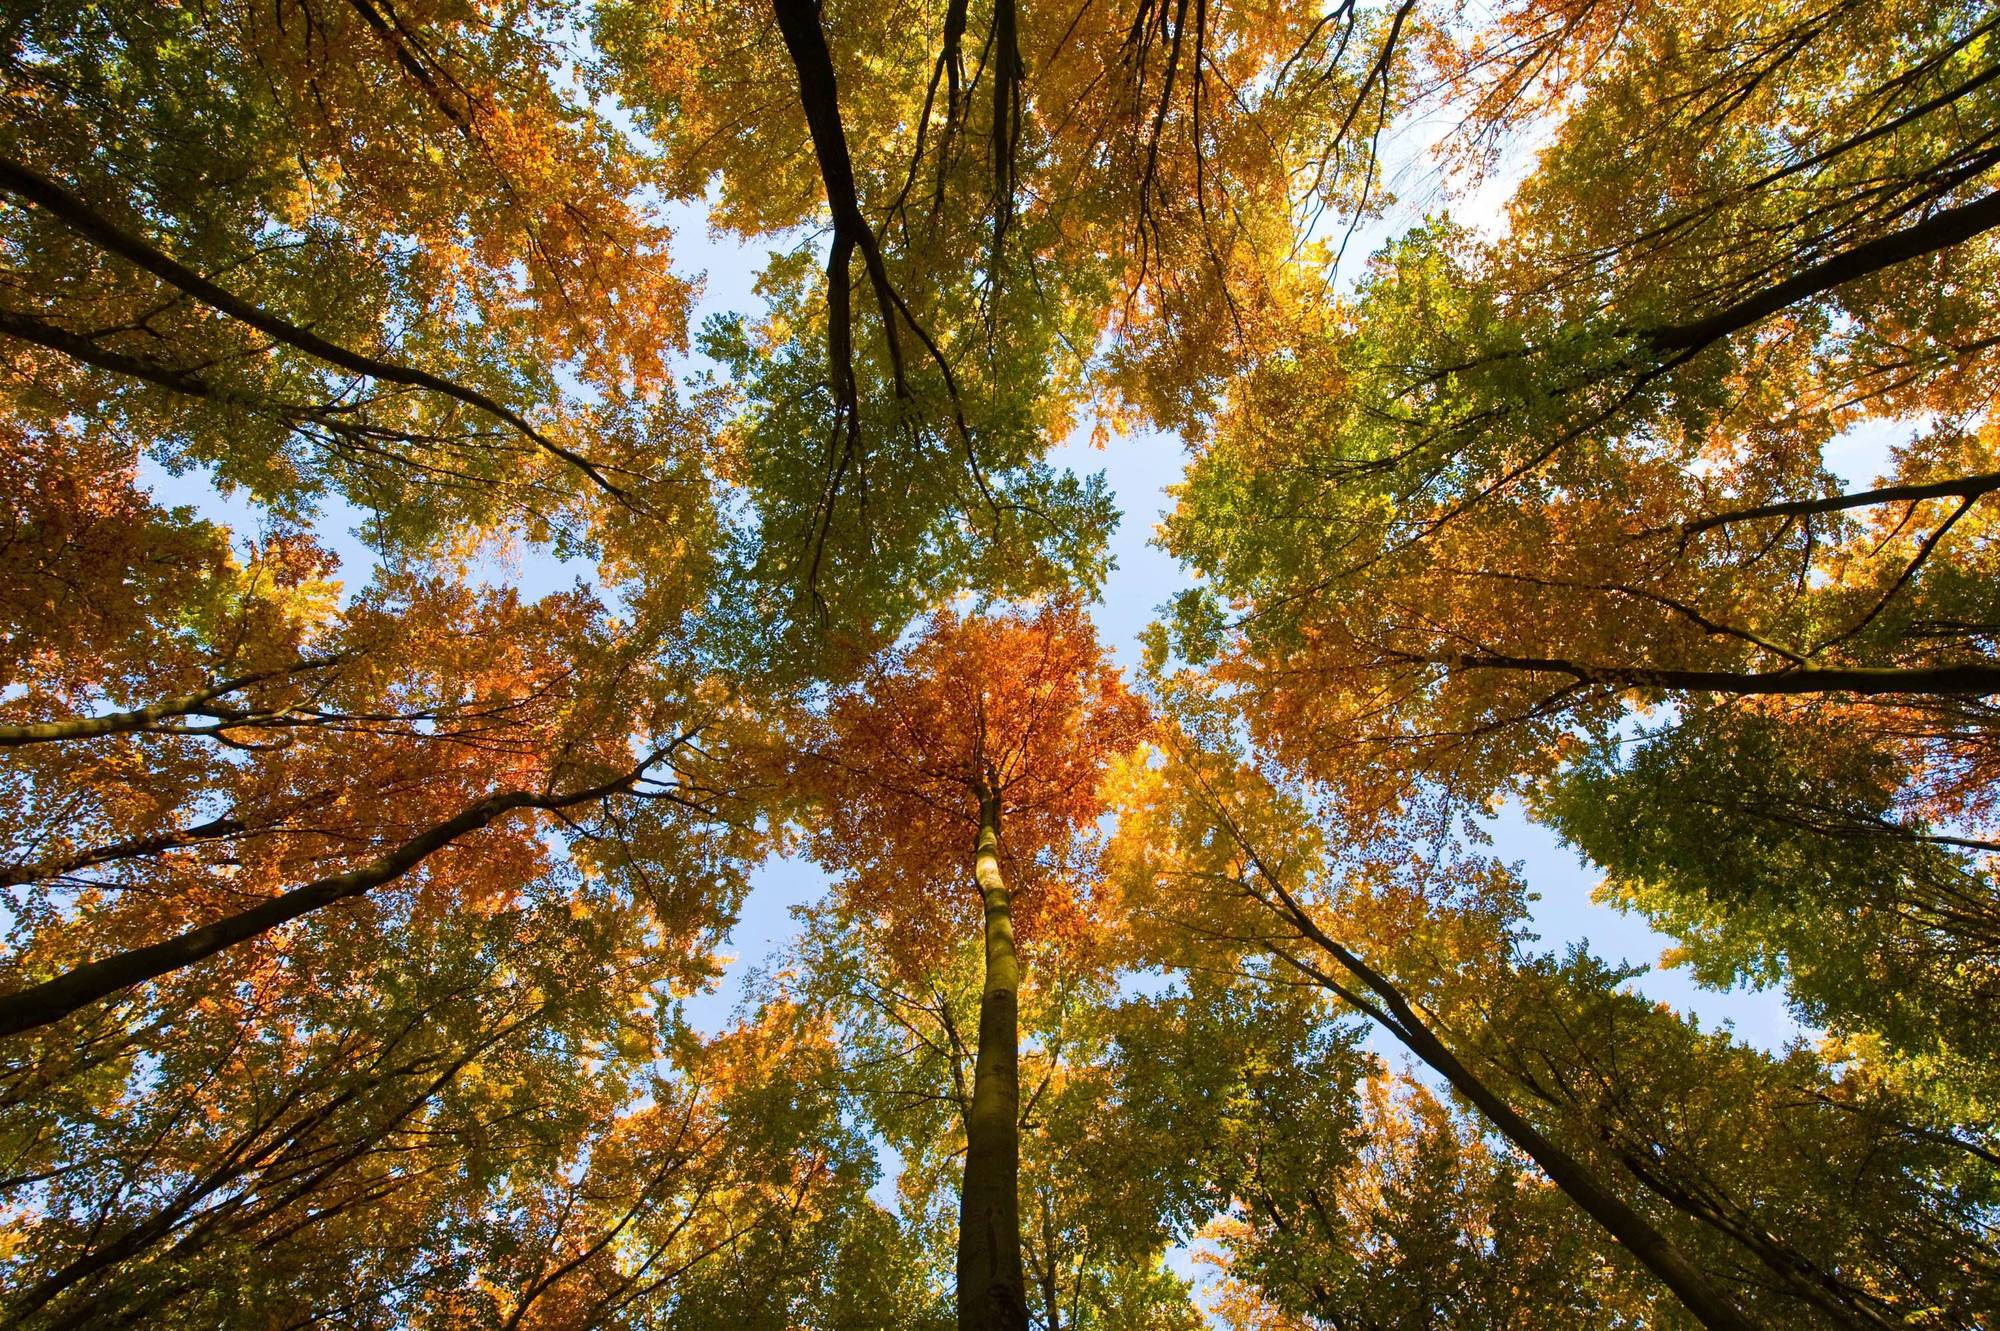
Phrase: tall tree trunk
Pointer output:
(1709, 1303)
(992, 1290)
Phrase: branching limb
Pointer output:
(199, 703)
(30, 186)
(52, 1000)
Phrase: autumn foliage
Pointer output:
(1021, 704)
(429, 620)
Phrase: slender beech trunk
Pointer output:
(992, 1290)
(1709, 1303)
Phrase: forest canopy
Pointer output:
(431, 617)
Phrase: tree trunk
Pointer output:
(992, 1290)
(1711, 1306)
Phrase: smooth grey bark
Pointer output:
(992, 1288)
(1709, 1303)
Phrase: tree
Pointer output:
(1426, 942)
(291, 866)
(1543, 477)
(1776, 852)
(1101, 1201)
(1423, 1218)
(1121, 182)
(251, 240)
(349, 908)
(980, 724)
(446, 1118)
(296, 755)
(333, 246)
(1523, 500)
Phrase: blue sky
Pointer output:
(1139, 468)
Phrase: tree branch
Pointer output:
(1939, 231)
(31, 186)
(1960, 487)
(122, 723)
(52, 1000)
(1975, 679)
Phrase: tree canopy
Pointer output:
(427, 617)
